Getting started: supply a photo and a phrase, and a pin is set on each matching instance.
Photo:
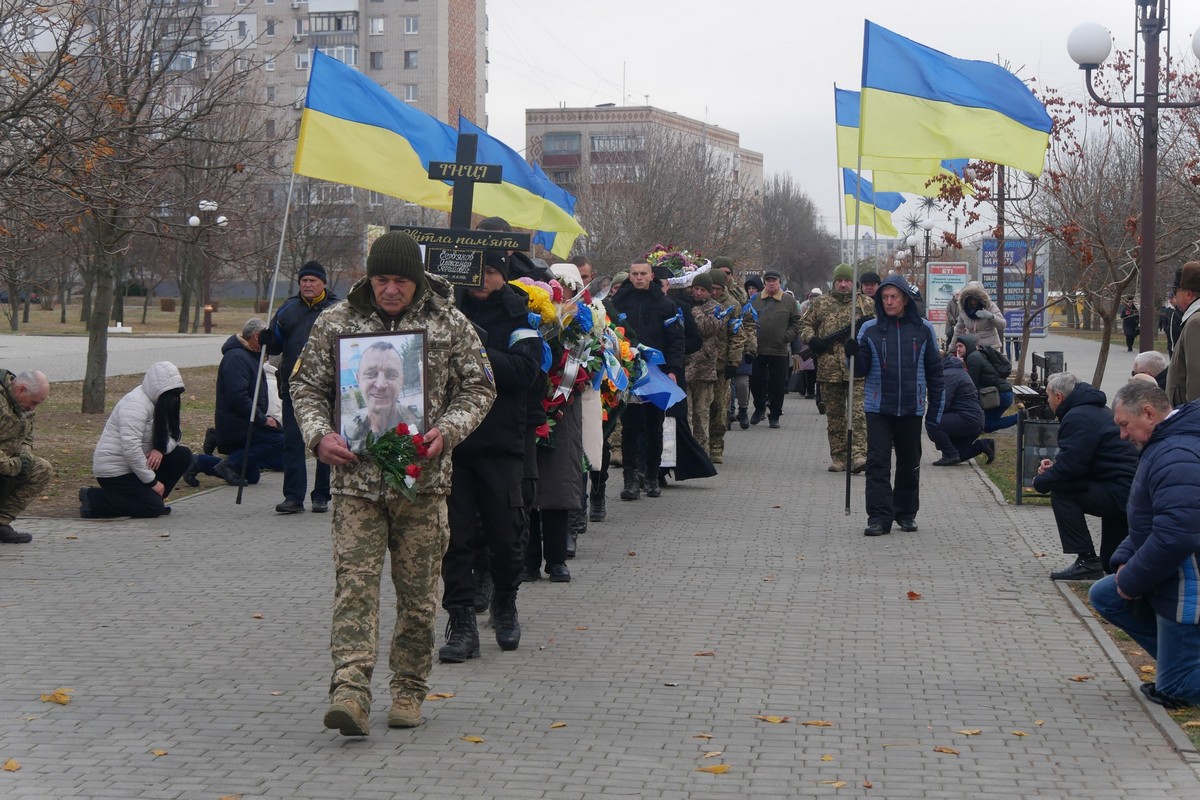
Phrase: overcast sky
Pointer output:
(766, 68)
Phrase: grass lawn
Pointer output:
(227, 319)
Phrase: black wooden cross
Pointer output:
(464, 173)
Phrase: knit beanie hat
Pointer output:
(704, 281)
(313, 269)
(497, 260)
(722, 262)
(718, 278)
(843, 272)
(396, 253)
(754, 281)
(619, 278)
(869, 277)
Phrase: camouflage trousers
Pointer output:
(718, 419)
(17, 492)
(834, 395)
(700, 397)
(364, 531)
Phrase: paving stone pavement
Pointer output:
(155, 626)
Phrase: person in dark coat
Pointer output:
(898, 354)
(485, 489)
(650, 318)
(983, 375)
(1130, 323)
(1154, 596)
(1154, 364)
(235, 397)
(956, 433)
(285, 337)
(1090, 475)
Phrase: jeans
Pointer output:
(295, 461)
(266, 452)
(1174, 645)
(994, 419)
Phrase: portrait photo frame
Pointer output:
(381, 382)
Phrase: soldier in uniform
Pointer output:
(23, 476)
(371, 518)
(825, 328)
(731, 345)
(701, 367)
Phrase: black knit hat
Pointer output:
(497, 260)
(869, 277)
(663, 273)
(396, 253)
(704, 281)
(754, 281)
(313, 269)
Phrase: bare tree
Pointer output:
(794, 241)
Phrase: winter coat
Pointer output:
(702, 364)
(1183, 376)
(953, 311)
(731, 344)
(1161, 554)
(778, 322)
(986, 323)
(827, 315)
(128, 433)
(16, 430)
(560, 468)
(459, 388)
(959, 395)
(288, 332)
(515, 352)
(980, 368)
(900, 360)
(235, 392)
(1131, 320)
(1090, 447)
(649, 317)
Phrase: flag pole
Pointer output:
(853, 305)
(262, 350)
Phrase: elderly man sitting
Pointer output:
(1090, 475)
(1154, 595)
(1154, 364)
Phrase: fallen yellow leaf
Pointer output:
(970, 732)
(827, 757)
(11, 765)
(914, 595)
(1192, 724)
(1081, 678)
(256, 615)
(581, 628)
(715, 769)
(159, 752)
(472, 739)
(834, 784)
(769, 578)
(439, 696)
(1148, 669)
(231, 797)
(712, 754)
(1039, 722)
(705, 653)
(1019, 733)
(817, 723)
(61, 695)
(867, 785)
(1039, 554)
(703, 736)
(772, 719)
(947, 750)
(276, 694)
(631, 553)
(70, 537)
(558, 725)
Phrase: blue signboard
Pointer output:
(1024, 284)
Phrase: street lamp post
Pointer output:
(1088, 45)
(204, 223)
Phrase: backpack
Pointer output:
(998, 360)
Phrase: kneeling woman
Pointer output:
(138, 459)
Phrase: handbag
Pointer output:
(989, 398)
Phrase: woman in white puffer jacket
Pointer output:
(980, 317)
(139, 459)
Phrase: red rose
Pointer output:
(543, 431)
(402, 429)
(418, 439)
(423, 450)
(412, 471)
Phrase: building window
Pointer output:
(242, 29)
(376, 59)
(270, 127)
(302, 60)
(269, 65)
(563, 176)
(410, 59)
(270, 27)
(270, 94)
(410, 25)
(302, 26)
(333, 23)
(348, 55)
(617, 142)
(376, 24)
(561, 144)
(410, 93)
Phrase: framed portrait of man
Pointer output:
(381, 383)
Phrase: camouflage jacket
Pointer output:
(458, 380)
(702, 364)
(16, 429)
(829, 314)
(731, 344)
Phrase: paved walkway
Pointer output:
(205, 635)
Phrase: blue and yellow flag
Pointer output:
(920, 103)
(874, 209)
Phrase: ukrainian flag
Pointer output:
(920, 103)
(920, 184)
(874, 208)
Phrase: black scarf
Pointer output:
(166, 419)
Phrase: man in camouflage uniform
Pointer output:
(700, 367)
(23, 476)
(731, 345)
(371, 518)
(824, 329)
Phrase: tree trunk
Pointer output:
(96, 371)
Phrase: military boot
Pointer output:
(462, 637)
(483, 591)
(633, 484)
(508, 628)
(652, 484)
(596, 497)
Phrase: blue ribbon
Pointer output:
(677, 318)
(752, 310)
(735, 324)
(721, 312)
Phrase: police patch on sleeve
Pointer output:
(486, 363)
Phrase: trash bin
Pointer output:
(166, 304)
(1055, 362)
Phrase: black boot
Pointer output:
(633, 485)
(652, 489)
(483, 591)
(508, 628)
(743, 419)
(462, 637)
(596, 497)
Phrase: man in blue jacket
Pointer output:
(1090, 475)
(897, 352)
(1155, 594)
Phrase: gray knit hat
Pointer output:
(396, 253)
